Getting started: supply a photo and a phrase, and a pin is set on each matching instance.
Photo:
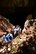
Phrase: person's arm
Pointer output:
(26, 23)
(1, 33)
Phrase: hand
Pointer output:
(1, 33)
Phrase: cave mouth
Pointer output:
(18, 20)
(16, 16)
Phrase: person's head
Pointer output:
(4, 23)
(29, 16)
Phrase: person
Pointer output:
(17, 30)
(29, 17)
(5, 31)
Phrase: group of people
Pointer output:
(8, 31)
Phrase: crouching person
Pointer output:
(5, 32)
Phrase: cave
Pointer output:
(16, 16)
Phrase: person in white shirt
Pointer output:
(16, 30)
